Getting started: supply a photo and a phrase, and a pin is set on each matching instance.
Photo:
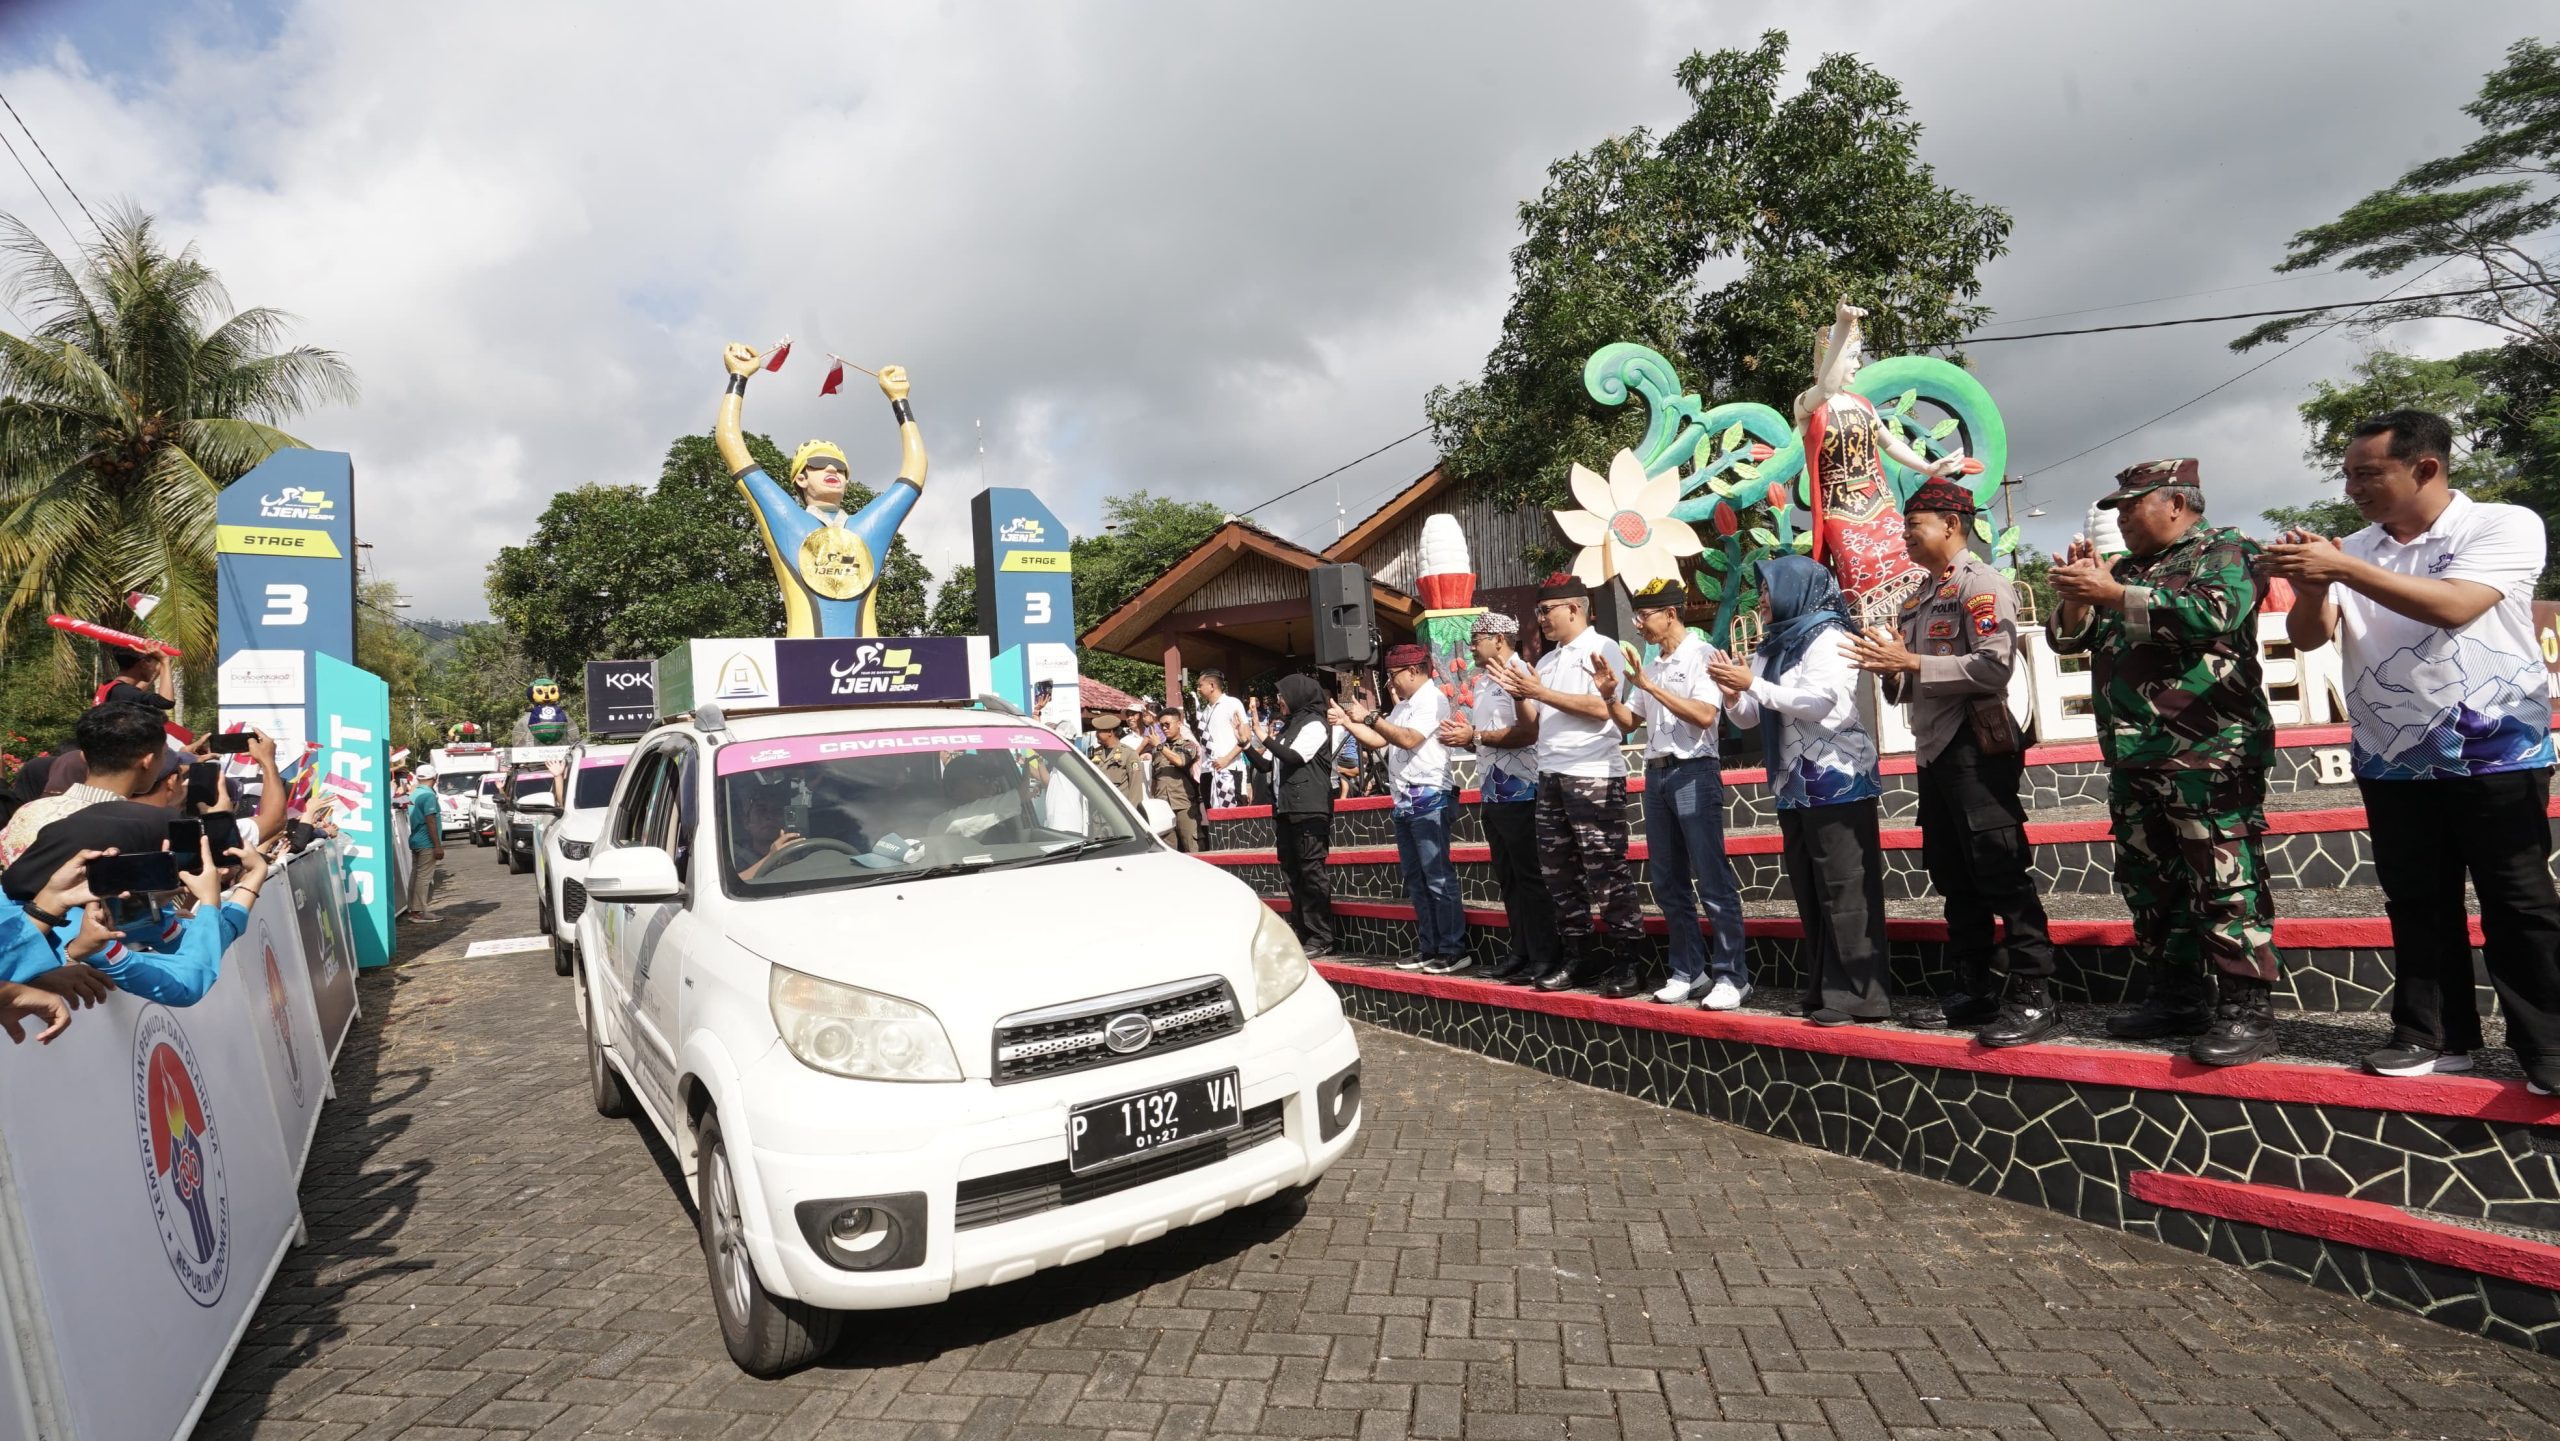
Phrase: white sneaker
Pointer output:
(1678, 991)
(1725, 996)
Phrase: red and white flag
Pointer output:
(780, 352)
(835, 378)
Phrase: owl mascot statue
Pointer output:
(546, 722)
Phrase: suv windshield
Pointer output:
(833, 811)
(595, 783)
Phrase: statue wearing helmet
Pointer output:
(827, 562)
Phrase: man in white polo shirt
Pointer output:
(1425, 804)
(2432, 606)
(1582, 794)
(1677, 703)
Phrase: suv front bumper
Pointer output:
(809, 1145)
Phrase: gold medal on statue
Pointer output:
(835, 564)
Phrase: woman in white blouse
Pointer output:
(1801, 687)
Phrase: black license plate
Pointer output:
(1151, 1120)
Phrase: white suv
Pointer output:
(921, 1005)
(560, 861)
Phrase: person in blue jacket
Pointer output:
(67, 948)
(828, 563)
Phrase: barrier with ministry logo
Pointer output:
(149, 1163)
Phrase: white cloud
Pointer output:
(1205, 252)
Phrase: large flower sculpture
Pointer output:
(1625, 527)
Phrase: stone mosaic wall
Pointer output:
(2072, 1147)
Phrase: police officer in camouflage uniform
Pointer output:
(2172, 635)
(1951, 663)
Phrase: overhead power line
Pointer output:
(1337, 470)
(2162, 299)
(2243, 375)
(2255, 314)
(41, 194)
(49, 165)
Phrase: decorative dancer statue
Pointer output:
(1857, 528)
(827, 563)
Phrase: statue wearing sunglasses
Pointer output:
(827, 562)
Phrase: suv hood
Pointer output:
(977, 948)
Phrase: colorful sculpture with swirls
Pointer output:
(1877, 431)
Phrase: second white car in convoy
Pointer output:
(560, 860)
(921, 1004)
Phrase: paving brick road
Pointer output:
(1503, 1256)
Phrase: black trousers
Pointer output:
(1835, 864)
(1973, 839)
(2426, 836)
(1305, 841)
(1511, 832)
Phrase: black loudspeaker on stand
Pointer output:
(1346, 621)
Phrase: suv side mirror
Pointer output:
(634, 875)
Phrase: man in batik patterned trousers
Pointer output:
(1582, 794)
(2172, 635)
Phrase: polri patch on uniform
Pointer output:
(1947, 591)
(1985, 609)
(1942, 630)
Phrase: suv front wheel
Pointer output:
(766, 1334)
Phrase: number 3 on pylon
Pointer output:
(287, 604)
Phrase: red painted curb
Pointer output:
(2461, 1096)
(2369, 1224)
(2293, 934)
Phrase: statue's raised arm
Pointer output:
(827, 562)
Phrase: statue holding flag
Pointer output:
(827, 562)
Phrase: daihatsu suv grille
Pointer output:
(1080, 1035)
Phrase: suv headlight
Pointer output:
(847, 1031)
(1279, 962)
(576, 850)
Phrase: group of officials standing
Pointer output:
(2450, 698)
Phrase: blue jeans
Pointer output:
(1430, 882)
(1684, 836)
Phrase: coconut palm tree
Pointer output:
(131, 397)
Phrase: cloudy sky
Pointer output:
(1209, 251)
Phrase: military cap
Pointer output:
(2136, 481)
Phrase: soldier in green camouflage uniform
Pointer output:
(2172, 634)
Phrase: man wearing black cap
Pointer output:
(2171, 632)
(1582, 794)
(1950, 662)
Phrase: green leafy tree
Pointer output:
(1820, 195)
(134, 396)
(2481, 219)
(393, 650)
(955, 606)
(615, 571)
(1145, 536)
(477, 674)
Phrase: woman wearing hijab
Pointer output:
(1801, 686)
(1302, 808)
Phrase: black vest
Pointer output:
(1305, 788)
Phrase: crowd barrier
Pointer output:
(150, 1160)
